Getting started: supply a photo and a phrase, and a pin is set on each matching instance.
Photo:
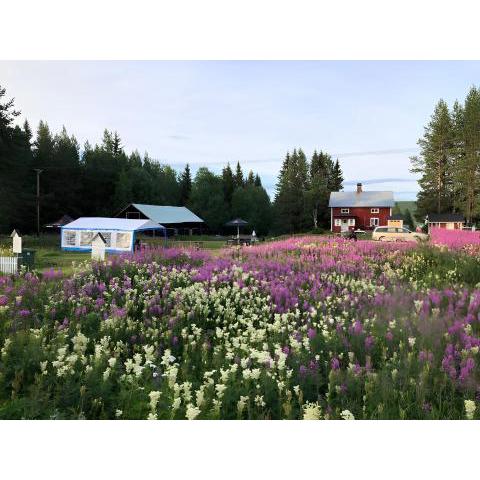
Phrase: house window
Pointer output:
(374, 222)
(344, 210)
(351, 222)
(86, 238)
(108, 238)
(338, 222)
(124, 240)
(69, 238)
(374, 210)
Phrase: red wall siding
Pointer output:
(362, 215)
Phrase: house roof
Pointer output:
(166, 214)
(396, 216)
(106, 223)
(362, 199)
(445, 217)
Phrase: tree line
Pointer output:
(303, 191)
(101, 179)
(449, 160)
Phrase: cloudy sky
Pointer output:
(368, 114)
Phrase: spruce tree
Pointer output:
(336, 180)
(185, 185)
(250, 178)
(239, 180)
(228, 184)
(16, 174)
(317, 192)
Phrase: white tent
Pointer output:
(119, 233)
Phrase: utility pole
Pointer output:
(39, 171)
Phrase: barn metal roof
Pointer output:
(166, 214)
(107, 223)
(362, 199)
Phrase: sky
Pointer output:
(369, 114)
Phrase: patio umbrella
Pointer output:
(237, 222)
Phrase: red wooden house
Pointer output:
(359, 209)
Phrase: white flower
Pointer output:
(312, 411)
(154, 397)
(259, 401)
(152, 416)
(43, 366)
(411, 341)
(111, 362)
(192, 412)
(220, 388)
(347, 415)
(176, 403)
(470, 408)
(241, 404)
(129, 365)
(118, 413)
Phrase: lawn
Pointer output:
(302, 328)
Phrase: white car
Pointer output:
(397, 234)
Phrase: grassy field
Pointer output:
(49, 255)
(407, 205)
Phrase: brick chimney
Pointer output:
(359, 188)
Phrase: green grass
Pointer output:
(46, 258)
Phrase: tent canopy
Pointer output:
(106, 223)
(167, 214)
(237, 222)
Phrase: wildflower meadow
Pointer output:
(303, 328)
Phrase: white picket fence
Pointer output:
(10, 264)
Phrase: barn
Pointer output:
(177, 220)
(119, 233)
(359, 209)
(449, 221)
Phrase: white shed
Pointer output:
(119, 233)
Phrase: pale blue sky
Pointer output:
(370, 114)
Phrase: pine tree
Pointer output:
(185, 185)
(258, 181)
(435, 163)
(467, 160)
(250, 178)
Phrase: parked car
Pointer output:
(397, 234)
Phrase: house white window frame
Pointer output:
(344, 210)
(351, 222)
(338, 222)
(374, 221)
(70, 238)
(374, 210)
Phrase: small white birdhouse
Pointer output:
(17, 242)
(98, 247)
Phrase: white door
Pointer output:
(344, 226)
